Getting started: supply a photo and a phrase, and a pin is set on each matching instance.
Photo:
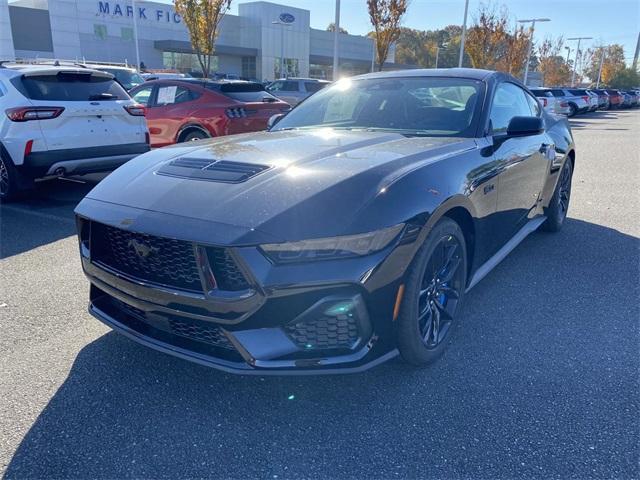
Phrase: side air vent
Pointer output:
(213, 171)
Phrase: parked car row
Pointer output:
(573, 101)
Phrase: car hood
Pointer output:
(312, 183)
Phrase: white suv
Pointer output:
(59, 120)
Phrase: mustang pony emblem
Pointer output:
(141, 249)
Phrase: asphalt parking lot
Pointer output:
(542, 379)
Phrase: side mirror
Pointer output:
(274, 119)
(522, 126)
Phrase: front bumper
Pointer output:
(279, 324)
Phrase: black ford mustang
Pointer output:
(348, 233)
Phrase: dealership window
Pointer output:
(100, 31)
(249, 67)
(291, 68)
(186, 62)
(127, 34)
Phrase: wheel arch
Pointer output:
(190, 127)
(460, 210)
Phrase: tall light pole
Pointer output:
(336, 32)
(135, 35)
(533, 26)
(575, 65)
(282, 25)
(464, 32)
(600, 68)
(568, 49)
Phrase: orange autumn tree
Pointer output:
(491, 44)
(202, 18)
(552, 64)
(386, 17)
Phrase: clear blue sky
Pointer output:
(607, 21)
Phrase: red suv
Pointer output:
(192, 109)
(615, 98)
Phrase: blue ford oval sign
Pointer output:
(287, 18)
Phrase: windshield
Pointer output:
(428, 106)
(127, 78)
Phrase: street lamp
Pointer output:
(336, 33)
(464, 32)
(575, 64)
(533, 26)
(438, 47)
(602, 47)
(568, 49)
(282, 25)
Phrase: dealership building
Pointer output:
(250, 44)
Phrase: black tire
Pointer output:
(13, 185)
(556, 212)
(573, 109)
(194, 135)
(423, 297)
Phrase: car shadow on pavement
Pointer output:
(44, 216)
(538, 382)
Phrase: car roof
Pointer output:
(98, 66)
(22, 68)
(470, 73)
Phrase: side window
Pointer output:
(172, 94)
(290, 86)
(533, 104)
(313, 87)
(275, 87)
(509, 101)
(143, 96)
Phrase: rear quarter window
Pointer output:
(70, 87)
(243, 92)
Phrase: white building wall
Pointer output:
(292, 39)
(6, 40)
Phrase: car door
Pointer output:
(170, 110)
(522, 161)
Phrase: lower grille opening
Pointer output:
(325, 333)
(190, 334)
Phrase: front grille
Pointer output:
(163, 261)
(202, 333)
(325, 333)
(225, 270)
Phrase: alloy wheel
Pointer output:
(4, 178)
(440, 291)
(565, 190)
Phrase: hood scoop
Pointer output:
(211, 170)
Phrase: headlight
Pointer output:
(333, 247)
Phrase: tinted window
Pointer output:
(314, 86)
(143, 95)
(557, 93)
(541, 93)
(244, 92)
(413, 106)
(172, 94)
(71, 86)
(509, 101)
(534, 105)
(579, 93)
(127, 78)
(284, 86)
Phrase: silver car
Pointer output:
(551, 104)
(294, 90)
(577, 103)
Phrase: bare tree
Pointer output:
(202, 18)
(386, 17)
